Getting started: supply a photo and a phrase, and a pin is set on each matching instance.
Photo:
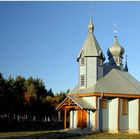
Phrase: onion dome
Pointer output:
(116, 49)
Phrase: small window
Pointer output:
(100, 62)
(103, 103)
(124, 106)
(82, 80)
(82, 61)
(116, 59)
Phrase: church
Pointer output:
(107, 97)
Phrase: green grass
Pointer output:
(100, 135)
(36, 134)
(23, 134)
(54, 134)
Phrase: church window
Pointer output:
(124, 106)
(82, 61)
(100, 62)
(82, 80)
(103, 103)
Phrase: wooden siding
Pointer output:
(103, 103)
(124, 106)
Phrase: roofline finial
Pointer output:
(126, 56)
(90, 26)
(115, 31)
(126, 67)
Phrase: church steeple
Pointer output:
(91, 46)
(90, 60)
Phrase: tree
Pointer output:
(2, 89)
(50, 92)
(9, 96)
(18, 94)
(29, 97)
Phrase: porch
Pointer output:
(77, 113)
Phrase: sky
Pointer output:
(43, 39)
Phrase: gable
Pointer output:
(72, 102)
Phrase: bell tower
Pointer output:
(90, 60)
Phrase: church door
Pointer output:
(81, 118)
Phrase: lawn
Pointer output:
(99, 135)
(60, 134)
(49, 134)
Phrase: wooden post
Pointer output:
(65, 112)
(59, 116)
(82, 120)
(95, 127)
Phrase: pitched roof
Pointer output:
(91, 46)
(115, 81)
(82, 103)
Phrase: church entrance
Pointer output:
(81, 118)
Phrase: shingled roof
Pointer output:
(115, 81)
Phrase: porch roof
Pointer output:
(80, 102)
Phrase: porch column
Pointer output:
(59, 116)
(134, 116)
(65, 112)
(73, 119)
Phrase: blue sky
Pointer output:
(43, 39)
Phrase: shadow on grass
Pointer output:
(12, 126)
(44, 135)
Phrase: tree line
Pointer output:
(27, 99)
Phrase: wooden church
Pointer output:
(107, 97)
